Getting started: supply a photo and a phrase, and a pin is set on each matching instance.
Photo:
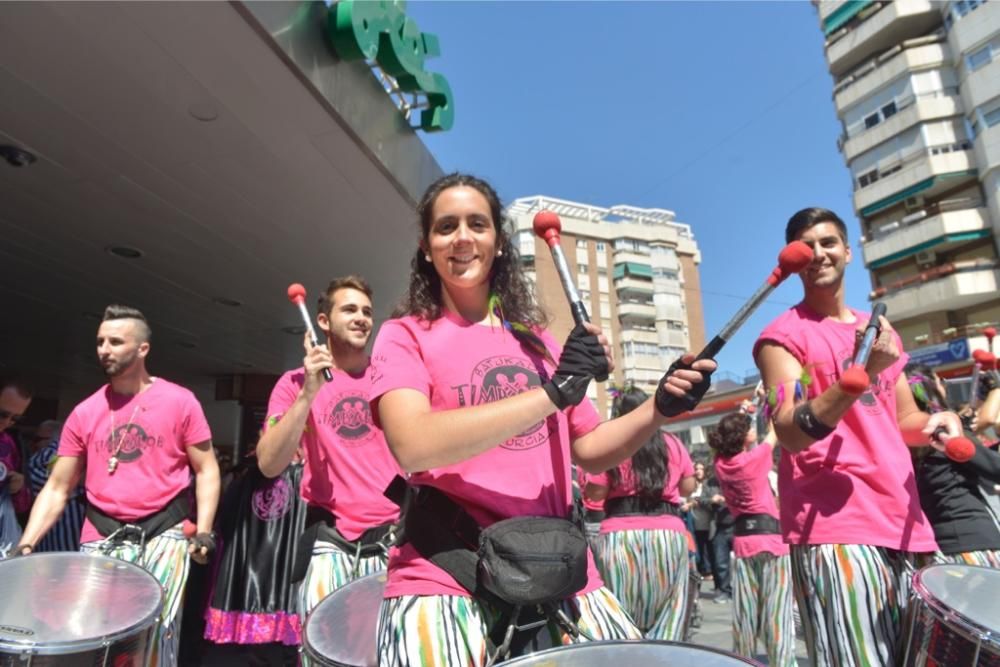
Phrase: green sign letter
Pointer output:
(380, 30)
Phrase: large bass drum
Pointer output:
(76, 610)
(954, 617)
(601, 654)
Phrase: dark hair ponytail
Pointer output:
(649, 464)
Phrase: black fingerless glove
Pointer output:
(203, 540)
(669, 405)
(582, 360)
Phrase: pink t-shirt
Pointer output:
(679, 466)
(855, 486)
(581, 482)
(348, 464)
(151, 431)
(456, 363)
(745, 486)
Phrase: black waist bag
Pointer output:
(532, 560)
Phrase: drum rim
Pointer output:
(626, 642)
(946, 613)
(31, 647)
(309, 647)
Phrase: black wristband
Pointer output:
(809, 424)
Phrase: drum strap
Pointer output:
(151, 526)
(639, 506)
(321, 525)
(756, 524)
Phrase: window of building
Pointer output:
(979, 58)
(581, 244)
(660, 272)
(585, 295)
(889, 110)
(582, 268)
(872, 121)
(600, 246)
(864, 180)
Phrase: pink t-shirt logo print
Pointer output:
(351, 418)
(503, 377)
(131, 440)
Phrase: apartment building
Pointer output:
(637, 272)
(917, 90)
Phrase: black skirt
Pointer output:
(260, 522)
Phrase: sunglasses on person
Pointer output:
(7, 414)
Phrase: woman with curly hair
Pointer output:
(762, 572)
(486, 413)
(642, 550)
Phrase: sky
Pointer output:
(719, 111)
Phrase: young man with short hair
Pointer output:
(849, 503)
(139, 438)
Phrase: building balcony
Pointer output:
(672, 337)
(980, 86)
(914, 55)
(925, 171)
(621, 256)
(910, 111)
(630, 312)
(935, 227)
(893, 23)
(640, 336)
(953, 286)
(987, 149)
(631, 288)
(975, 27)
(670, 312)
(646, 362)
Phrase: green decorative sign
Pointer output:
(380, 30)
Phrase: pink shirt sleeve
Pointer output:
(285, 391)
(678, 450)
(397, 362)
(196, 429)
(782, 337)
(71, 442)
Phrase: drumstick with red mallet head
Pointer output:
(988, 362)
(990, 333)
(297, 295)
(855, 381)
(548, 226)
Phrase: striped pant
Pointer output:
(762, 607)
(331, 568)
(451, 630)
(853, 599)
(166, 558)
(648, 571)
(985, 558)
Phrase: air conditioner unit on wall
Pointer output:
(913, 203)
(926, 257)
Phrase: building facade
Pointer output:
(637, 272)
(917, 90)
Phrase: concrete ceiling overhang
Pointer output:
(186, 131)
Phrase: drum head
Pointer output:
(342, 629)
(56, 603)
(970, 590)
(601, 654)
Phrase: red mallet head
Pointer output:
(296, 293)
(959, 450)
(793, 258)
(985, 359)
(855, 380)
(990, 332)
(547, 225)
(190, 530)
